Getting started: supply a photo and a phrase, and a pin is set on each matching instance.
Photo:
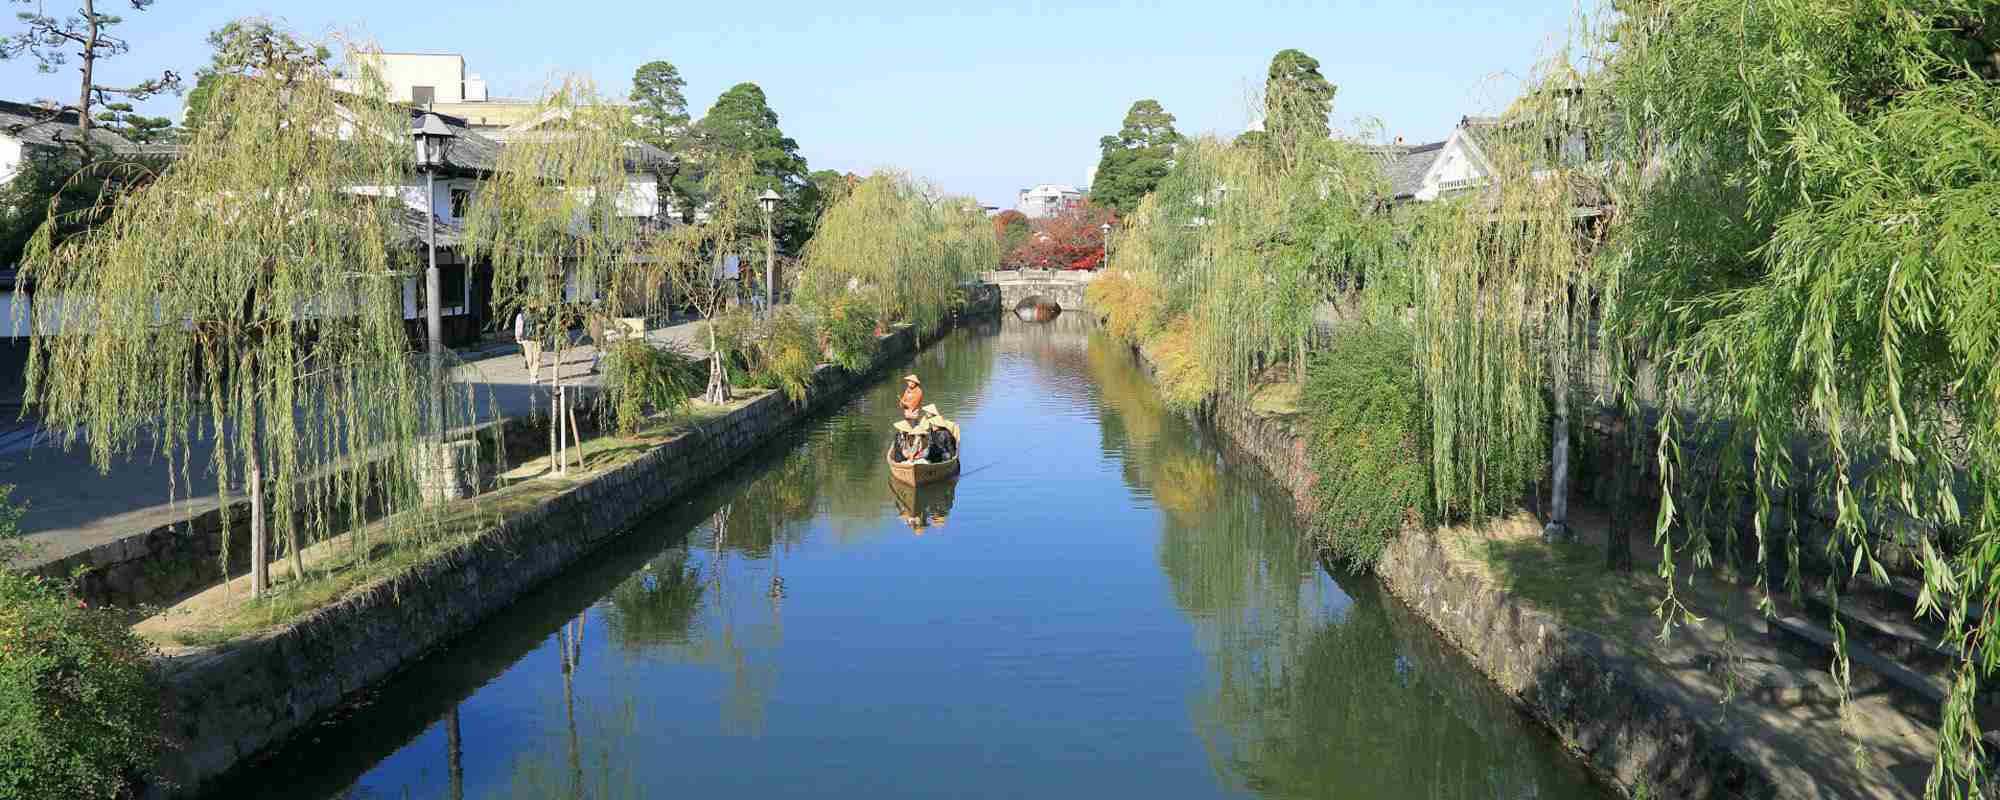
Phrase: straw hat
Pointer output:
(912, 378)
(931, 410)
(913, 428)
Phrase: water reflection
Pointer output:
(1117, 610)
(1313, 683)
(924, 508)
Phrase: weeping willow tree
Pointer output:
(250, 295)
(690, 258)
(561, 223)
(898, 248)
(1812, 266)
(1287, 234)
(1503, 279)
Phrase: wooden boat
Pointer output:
(920, 473)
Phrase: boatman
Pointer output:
(913, 398)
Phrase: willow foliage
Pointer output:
(901, 247)
(1503, 278)
(250, 294)
(690, 257)
(1812, 265)
(559, 220)
(1248, 244)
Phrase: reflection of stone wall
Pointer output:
(1610, 710)
(229, 702)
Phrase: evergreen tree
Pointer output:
(1297, 102)
(663, 113)
(741, 124)
(120, 118)
(48, 40)
(1134, 161)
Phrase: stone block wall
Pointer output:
(1612, 712)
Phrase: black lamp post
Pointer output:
(433, 140)
(769, 200)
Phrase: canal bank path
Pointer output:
(71, 506)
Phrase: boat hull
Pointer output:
(919, 474)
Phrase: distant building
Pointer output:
(1047, 200)
(438, 82)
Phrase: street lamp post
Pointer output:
(1106, 230)
(433, 140)
(769, 200)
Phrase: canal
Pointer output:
(1102, 605)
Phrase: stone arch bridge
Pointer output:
(1065, 287)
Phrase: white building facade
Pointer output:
(1047, 200)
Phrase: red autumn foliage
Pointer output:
(1011, 228)
(1072, 239)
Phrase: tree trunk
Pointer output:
(1625, 440)
(260, 557)
(1618, 537)
(718, 383)
(87, 54)
(1557, 528)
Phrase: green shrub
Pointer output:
(789, 353)
(641, 378)
(849, 331)
(735, 338)
(79, 706)
(1372, 475)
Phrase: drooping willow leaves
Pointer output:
(251, 294)
(561, 219)
(900, 248)
(1813, 264)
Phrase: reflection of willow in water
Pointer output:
(1299, 705)
(685, 605)
(568, 772)
(1323, 708)
(1132, 417)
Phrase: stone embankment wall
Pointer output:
(229, 702)
(1612, 712)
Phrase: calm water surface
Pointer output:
(1101, 605)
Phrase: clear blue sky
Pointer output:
(983, 98)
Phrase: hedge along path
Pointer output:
(252, 292)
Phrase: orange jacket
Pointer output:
(913, 399)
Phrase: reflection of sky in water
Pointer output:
(1105, 609)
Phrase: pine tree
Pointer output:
(1134, 161)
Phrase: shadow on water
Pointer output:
(1021, 643)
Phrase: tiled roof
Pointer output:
(35, 128)
(1405, 166)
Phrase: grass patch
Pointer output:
(338, 567)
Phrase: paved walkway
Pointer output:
(71, 506)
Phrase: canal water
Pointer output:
(1102, 605)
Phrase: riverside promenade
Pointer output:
(71, 506)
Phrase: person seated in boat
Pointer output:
(943, 435)
(912, 443)
(913, 398)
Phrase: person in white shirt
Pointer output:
(531, 350)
